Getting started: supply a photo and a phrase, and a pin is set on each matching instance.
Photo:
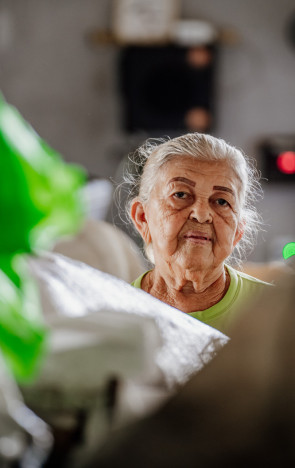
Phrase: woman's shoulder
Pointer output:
(137, 283)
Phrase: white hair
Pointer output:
(146, 161)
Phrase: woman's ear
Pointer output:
(240, 231)
(138, 216)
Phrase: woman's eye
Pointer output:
(222, 202)
(180, 195)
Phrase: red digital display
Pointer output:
(286, 162)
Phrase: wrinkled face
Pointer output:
(192, 216)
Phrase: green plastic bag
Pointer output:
(40, 201)
(40, 198)
(23, 335)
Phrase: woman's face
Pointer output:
(192, 216)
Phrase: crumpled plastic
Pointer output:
(70, 289)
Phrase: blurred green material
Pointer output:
(39, 194)
(40, 201)
(289, 250)
(22, 332)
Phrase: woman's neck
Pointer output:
(188, 294)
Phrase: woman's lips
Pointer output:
(198, 236)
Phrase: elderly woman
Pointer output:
(192, 203)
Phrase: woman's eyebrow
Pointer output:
(183, 179)
(193, 184)
(223, 189)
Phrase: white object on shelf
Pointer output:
(193, 33)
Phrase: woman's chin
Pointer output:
(195, 264)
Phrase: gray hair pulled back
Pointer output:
(145, 163)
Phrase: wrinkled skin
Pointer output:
(192, 219)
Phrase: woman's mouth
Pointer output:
(198, 237)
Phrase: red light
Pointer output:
(286, 162)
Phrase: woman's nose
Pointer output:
(201, 212)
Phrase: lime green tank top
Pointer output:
(243, 288)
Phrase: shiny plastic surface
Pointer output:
(72, 289)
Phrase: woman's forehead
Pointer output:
(187, 166)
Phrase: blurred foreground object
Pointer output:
(23, 436)
(72, 289)
(39, 201)
(22, 332)
(238, 411)
(115, 354)
(39, 193)
(105, 247)
(99, 243)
